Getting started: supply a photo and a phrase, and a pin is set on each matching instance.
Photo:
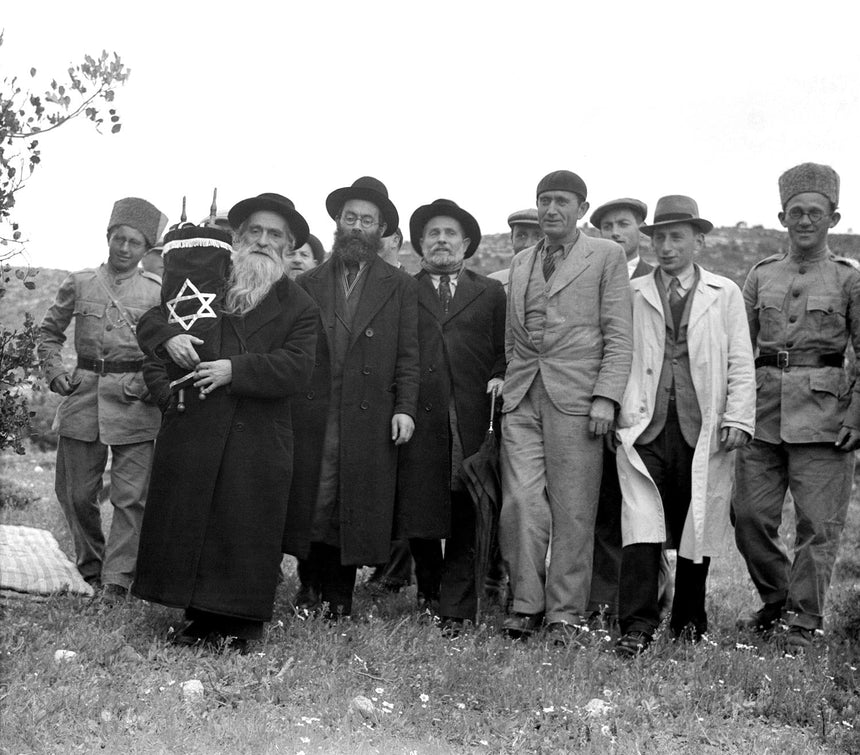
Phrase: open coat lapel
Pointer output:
(705, 296)
(428, 297)
(319, 283)
(264, 312)
(467, 290)
(378, 288)
(570, 269)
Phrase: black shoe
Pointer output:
(763, 619)
(632, 644)
(307, 599)
(564, 634)
(451, 628)
(798, 640)
(519, 626)
(428, 604)
(690, 633)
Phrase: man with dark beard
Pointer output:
(360, 405)
(211, 539)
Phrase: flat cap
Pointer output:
(821, 179)
(638, 208)
(523, 217)
(563, 180)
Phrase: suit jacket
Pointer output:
(587, 338)
(460, 352)
(380, 379)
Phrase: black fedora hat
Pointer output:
(450, 209)
(371, 190)
(677, 208)
(270, 202)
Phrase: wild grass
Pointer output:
(122, 692)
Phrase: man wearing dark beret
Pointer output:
(359, 406)
(461, 337)
(569, 349)
(803, 307)
(106, 403)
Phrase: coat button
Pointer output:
(795, 293)
(830, 309)
(431, 368)
(649, 371)
(108, 327)
(239, 427)
(316, 362)
(310, 394)
(428, 407)
(364, 405)
(802, 271)
(369, 332)
(789, 344)
(793, 318)
(365, 371)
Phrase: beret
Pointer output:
(563, 180)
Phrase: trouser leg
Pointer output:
(206, 623)
(337, 582)
(129, 475)
(458, 598)
(637, 590)
(428, 566)
(761, 481)
(606, 564)
(525, 520)
(574, 463)
(688, 606)
(398, 570)
(820, 482)
(80, 466)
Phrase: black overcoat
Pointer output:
(460, 351)
(211, 535)
(380, 379)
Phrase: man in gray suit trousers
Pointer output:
(568, 347)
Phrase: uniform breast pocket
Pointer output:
(86, 308)
(826, 315)
(770, 317)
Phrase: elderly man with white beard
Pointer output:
(217, 498)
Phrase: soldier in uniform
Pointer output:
(802, 307)
(106, 400)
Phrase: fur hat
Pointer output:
(821, 179)
(523, 217)
(371, 190)
(563, 180)
(636, 206)
(139, 214)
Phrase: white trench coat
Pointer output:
(723, 373)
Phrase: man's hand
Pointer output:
(181, 350)
(402, 427)
(496, 384)
(601, 416)
(733, 437)
(63, 384)
(212, 375)
(848, 439)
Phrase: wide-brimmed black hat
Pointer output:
(677, 208)
(371, 190)
(270, 202)
(450, 209)
(625, 203)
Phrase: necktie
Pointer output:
(549, 260)
(351, 273)
(674, 293)
(445, 292)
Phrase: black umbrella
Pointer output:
(481, 475)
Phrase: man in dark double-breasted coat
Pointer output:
(360, 404)
(461, 335)
(211, 536)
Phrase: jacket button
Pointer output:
(795, 293)
(239, 427)
(310, 394)
(365, 371)
(642, 409)
(364, 405)
(428, 407)
(789, 344)
(830, 309)
(430, 369)
(108, 327)
(649, 371)
(793, 318)
(802, 271)
(316, 362)
(369, 332)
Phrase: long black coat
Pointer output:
(380, 379)
(460, 351)
(211, 535)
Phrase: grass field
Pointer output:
(122, 692)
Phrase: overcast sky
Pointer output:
(473, 101)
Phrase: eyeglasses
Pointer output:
(133, 244)
(367, 221)
(795, 215)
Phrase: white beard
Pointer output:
(252, 277)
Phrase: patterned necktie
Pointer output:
(549, 260)
(674, 292)
(351, 273)
(445, 292)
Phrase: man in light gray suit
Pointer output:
(569, 350)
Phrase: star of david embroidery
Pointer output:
(203, 311)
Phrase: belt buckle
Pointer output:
(100, 364)
(782, 359)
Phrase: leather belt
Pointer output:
(103, 368)
(783, 359)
